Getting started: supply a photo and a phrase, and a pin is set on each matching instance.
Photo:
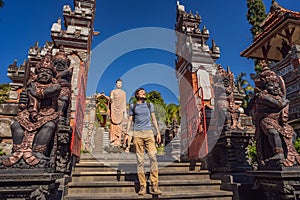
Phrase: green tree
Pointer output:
(132, 100)
(156, 98)
(1, 3)
(159, 106)
(243, 85)
(256, 15)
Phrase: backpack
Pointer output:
(134, 106)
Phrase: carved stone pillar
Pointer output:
(21, 185)
(227, 161)
(278, 184)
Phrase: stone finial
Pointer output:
(275, 6)
(22, 67)
(197, 16)
(180, 7)
(205, 31)
(56, 27)
(191, 16)
(13, 67)
(35, 49)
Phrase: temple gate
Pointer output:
(68, 57)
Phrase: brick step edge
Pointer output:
(132, 183)
(165, 195)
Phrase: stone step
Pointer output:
(122, 156)
(90, 176)
(203, 195)
(113, 176)
(100, 187)
(130, 166)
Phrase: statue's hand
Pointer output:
(285, 102)
(33, 116)
(32, 90)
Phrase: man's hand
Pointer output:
(158, 138)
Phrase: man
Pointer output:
(143, 138)
(117, 116)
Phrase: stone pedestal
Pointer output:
(278, 184)
(63, 160)
(227, 161)
(229, 153)
(30, 185)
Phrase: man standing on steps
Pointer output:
(140, 114)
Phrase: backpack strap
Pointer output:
(149, 106)
(133, 108)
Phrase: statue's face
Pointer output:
(44, 75)
(61, 65)
(226, 82)
(119, 84)
(272, 87)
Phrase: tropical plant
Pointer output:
(83, 151)
(297, 144)
(4, 92)
(172, 113)
(258, 67)
(160, 149)
(101, 107)
(243, 85)
(1, 152)
(252, 154)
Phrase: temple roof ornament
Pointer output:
(275, 6)
(56, 27)
(197, 16)
(13, 67)
(192, 41)
(280, 24)
(15, 73)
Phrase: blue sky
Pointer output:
(25, 22)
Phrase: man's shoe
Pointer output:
(142, 190)
(155, 189)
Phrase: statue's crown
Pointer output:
(61, 55)
(268, 75)
(46, 62)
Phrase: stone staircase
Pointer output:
(113, 176)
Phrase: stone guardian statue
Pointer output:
(35, 126)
